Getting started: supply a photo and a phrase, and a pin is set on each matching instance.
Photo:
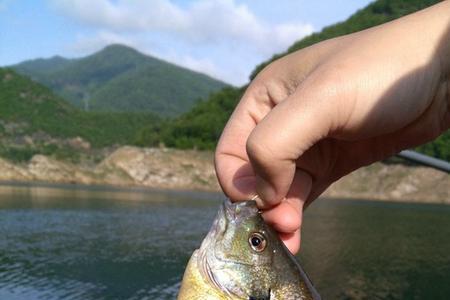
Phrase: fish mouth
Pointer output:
(238, 211)
(261, 298)
(230, 213)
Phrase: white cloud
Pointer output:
(204, 21)
(203, 65)
(123, 14)
(225, 28)
(223, 21)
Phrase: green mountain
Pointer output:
(34, 120)
(119, 78)
(36, 67)
(201, 127)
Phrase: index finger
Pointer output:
(233, 168)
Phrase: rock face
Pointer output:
(163, 168)
(129, 166)
(394, 182)
(177, 169)
(9, 171)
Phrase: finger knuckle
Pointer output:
(258, 150)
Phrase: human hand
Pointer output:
(317, 114)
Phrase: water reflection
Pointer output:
(74, 243)
(370, 250)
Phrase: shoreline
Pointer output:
(139, 170)
(105, 188)
(141, 191)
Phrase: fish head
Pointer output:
(238, 253)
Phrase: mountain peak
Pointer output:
(120, 49)
(120, 78)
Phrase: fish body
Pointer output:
(243, 258)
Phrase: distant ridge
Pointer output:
(119, 78)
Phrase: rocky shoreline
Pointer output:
(193, 170)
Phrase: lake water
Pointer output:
(74, 243)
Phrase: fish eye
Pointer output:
(257, 241)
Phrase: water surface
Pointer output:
(75, 243)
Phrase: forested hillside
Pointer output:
(200, 128)
(211, 115)
(121, 79)
(34, 120)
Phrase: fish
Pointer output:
(243, 258)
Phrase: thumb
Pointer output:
(275, 144)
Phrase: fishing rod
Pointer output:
(425, 160)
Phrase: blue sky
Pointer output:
(223, 38)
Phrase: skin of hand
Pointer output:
(317, 114)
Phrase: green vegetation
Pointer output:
(17, 154)
(29, 109)
(439, 148)
(201, 127)
(120, 79)
(24, 153)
